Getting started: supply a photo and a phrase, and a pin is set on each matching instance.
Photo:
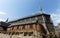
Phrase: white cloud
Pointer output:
(2, 13)
(2, 19)
(56, 16)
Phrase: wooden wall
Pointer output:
(26, 27)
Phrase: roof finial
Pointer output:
(41, 10)
(7, 20)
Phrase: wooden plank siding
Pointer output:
(39, 27)
(26, 27)
(34, 26)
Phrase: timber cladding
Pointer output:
(26, 27)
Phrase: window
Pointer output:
(21, 32)
(33, 19)
(30, 33)
(25, 33)
(47, 18)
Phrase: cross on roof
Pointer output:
(41, 10)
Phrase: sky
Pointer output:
(15, 9)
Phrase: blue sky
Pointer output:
(14, 9)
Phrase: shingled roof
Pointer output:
(14, 23)
(27, 17)
(4, 24)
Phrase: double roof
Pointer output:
(35, 15)
(16, 22)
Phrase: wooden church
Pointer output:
(40, 23)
